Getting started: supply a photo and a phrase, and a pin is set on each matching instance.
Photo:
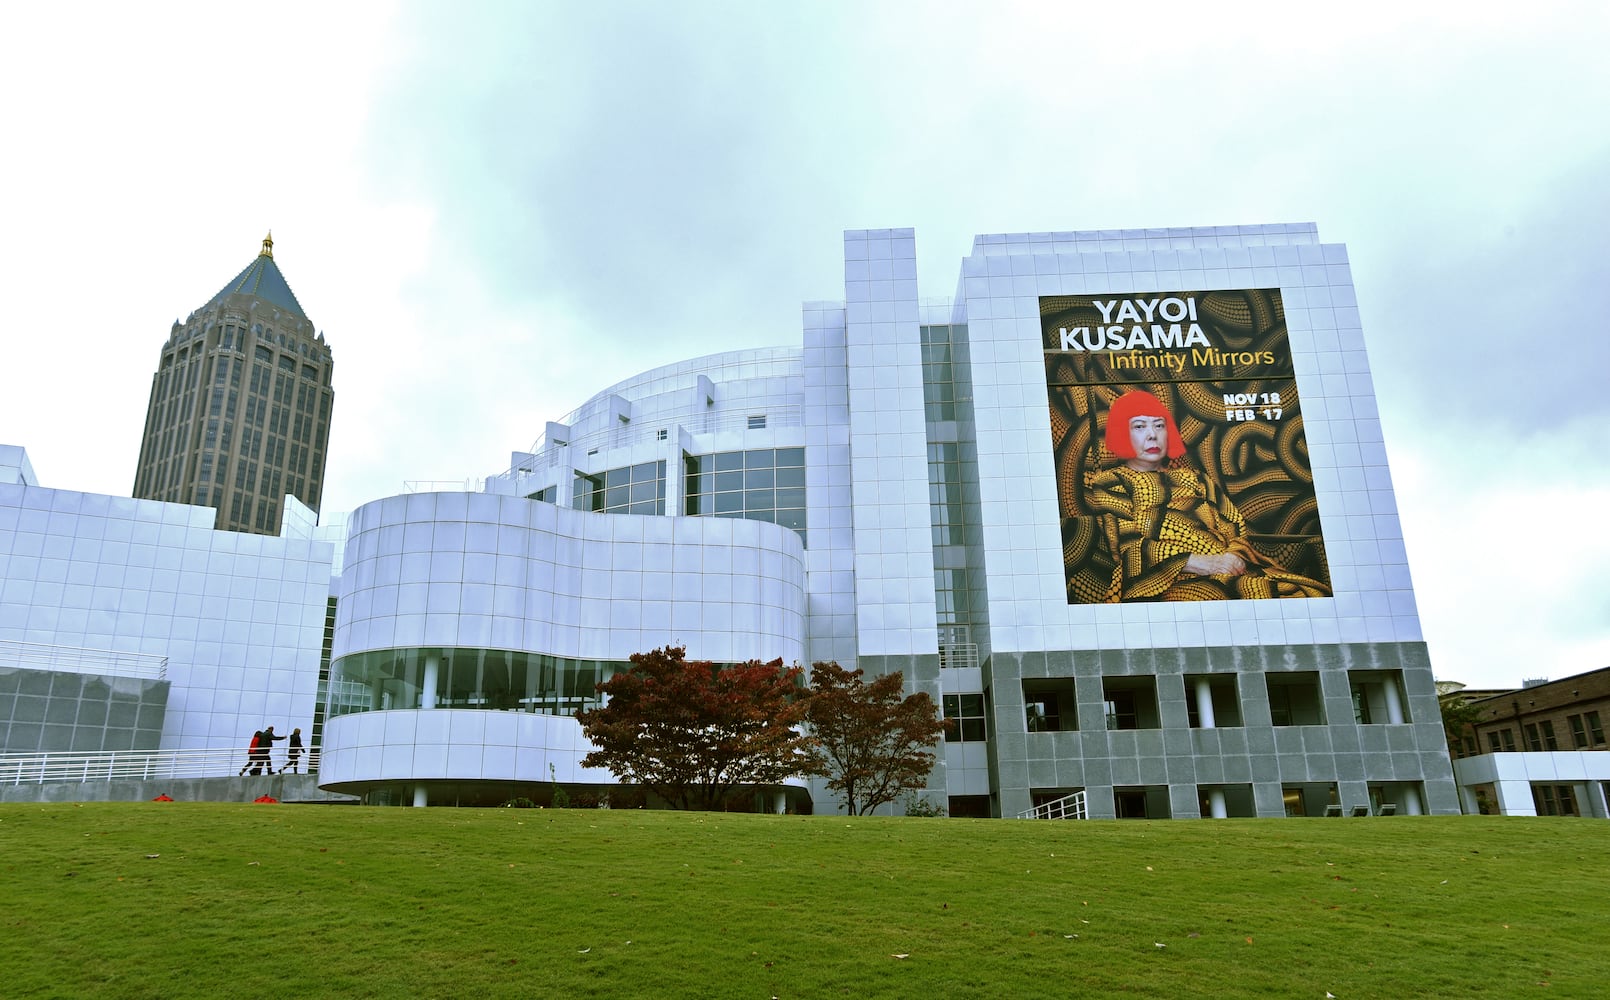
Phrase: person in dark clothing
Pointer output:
(293, 751)
(265, 746)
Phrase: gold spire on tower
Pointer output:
(268, 246)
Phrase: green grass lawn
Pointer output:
(215, 900)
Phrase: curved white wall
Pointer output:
(477, 570)
(453, 744)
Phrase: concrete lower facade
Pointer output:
(1264, 731)
(287, 788)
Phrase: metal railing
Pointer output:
(78, 660)
(141, 765)
(958, 654)
(645, 431)
(1068, 807)
(470, 485)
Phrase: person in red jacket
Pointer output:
(251, 752)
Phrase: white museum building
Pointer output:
(1120, 504)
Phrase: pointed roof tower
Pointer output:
(263, 279)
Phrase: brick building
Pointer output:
(1546, 734)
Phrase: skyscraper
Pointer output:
(240, 405)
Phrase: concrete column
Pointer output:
(421, 800)
(1204, 709)
(780, 801)
(1515, 798)
(1590, 798)
(1468, 802)
(1411, 798)
(427, 688)
(377, 694)
(1216, 802)
(1394, 701)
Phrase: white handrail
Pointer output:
(78, 660)
(1070, 806)
(141, 765)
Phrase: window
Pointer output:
(1294, 699)
(765, 484)
(1579, 733)
(964, 717)
(1554, 800)
(1534, 741)
(1377, 697)
(1549, 742)
(1130, 702)
(1492, 742)
(1120, 709)
(631, 489)
(1225, 705)
(945, 510)
(1042, 715)
(1141, 801)
(757, 422)
(969, 806)
(661, 434)
(1049, 706)
(944, 371)
(1595, 729)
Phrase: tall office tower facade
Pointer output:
(240, 405)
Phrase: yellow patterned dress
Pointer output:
(1154, 521)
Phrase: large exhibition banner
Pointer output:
(1182, 470)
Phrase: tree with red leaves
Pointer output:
(691, 731)
(871, 743)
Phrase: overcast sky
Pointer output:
(495, 210)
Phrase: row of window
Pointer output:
(1587, 731)
(942, 355)
(466, 678)
(944, 377)
(1129, 702)
(633, 489)
(1554, 800)
(262, 353)
(761, 484)
(764, 484)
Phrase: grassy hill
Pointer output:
(211, 900)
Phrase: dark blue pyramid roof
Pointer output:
(263, 279)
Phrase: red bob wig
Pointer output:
(1127, 407)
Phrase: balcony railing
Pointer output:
(141, 765)
(73, 659)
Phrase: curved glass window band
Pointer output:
(467, 678)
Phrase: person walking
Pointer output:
(293, 752)
(251, 752)
(264, 761)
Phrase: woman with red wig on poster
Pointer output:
(1173, 536)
